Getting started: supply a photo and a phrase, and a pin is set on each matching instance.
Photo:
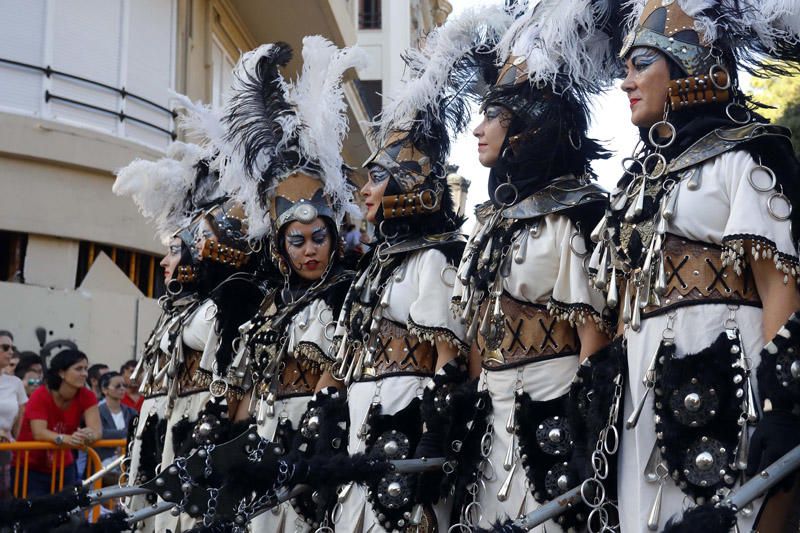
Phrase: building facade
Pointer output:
(84, 89)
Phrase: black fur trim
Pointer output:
(591, 400)
(542, 465)
(404, 428)
(713, 426)
(703, 519)
(151, 446)
(237, 300)
(774, 374)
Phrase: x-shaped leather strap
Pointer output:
(301, 376)
(410, 354)
(676, 270)
(515, 335)
(718, 276)
(382, 350)
(548, 333)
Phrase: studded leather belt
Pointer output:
(695, 275)
(296, 380)
(531, 333)
(399, 352)
(188, 380)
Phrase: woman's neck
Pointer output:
(66, 392)
(113, 404)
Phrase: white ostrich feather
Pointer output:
(200, 121)
(320, 120)
(160, 188)
(431, 65)
(561, 39)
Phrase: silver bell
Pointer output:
(562, 482)
(555, 435)
(205, 429)
(795, 369)
(313, 423)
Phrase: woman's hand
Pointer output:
(76, 439)
(87, 435)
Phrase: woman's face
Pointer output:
(308, 247)
(115, 388)
(6, 351)
(646, 85)
(170, 261)
(373, 190)
(491, 134)
(203, 233)
(31, 379)
(75, 376)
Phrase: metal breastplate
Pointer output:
(531, 333)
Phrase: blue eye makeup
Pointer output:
(642, 58)
(319, 235)
(175, 249)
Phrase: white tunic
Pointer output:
(421, 300)
(310, 329)
(552, 274)
(198, 334)
(725, 208)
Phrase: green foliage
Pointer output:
(783, 94)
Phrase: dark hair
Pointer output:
(130, 363)
(106, 378)
(6, 333)
(94, 371)
(62, 361)
(26, 361)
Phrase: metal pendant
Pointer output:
(649, 382)
(508, 461)
(626, 304)
(601, 281)
(661, 276)
(486, 254)
(261, 411)
(634, 418)
(613, 292)
(654, 516)
(270, 405)
(742, 447)
(636, 312)
(600, 228)
(505, 265)
(473, 327)
(505, 488)
(695, 180)
(670, 204)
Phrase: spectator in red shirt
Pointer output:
(132, 397)
(54, 413)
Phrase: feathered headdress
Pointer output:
(163, 189)
(277, 129)
(760, 36)
(566, 43)
(414, 129)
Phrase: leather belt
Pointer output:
(695, 275)
(188, 381)
(296, 380)
(399, 352)
(531, 333)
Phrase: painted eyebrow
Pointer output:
(644, 57)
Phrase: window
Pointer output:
(12, 250)
(370, 92)
(142, 269)
(221, 73)
(369, 15)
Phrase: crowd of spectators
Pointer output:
(63, 400)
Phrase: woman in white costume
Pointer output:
(396, 329)
(699, 248)
(523, 288)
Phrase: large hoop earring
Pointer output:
(174, 287)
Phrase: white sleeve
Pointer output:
(751, 220)
(312, 331)
(429, 316)
(573, 297)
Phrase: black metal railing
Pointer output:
(121, 115)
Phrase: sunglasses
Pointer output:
(34, 381)
(6, 347)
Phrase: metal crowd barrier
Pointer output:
(94, 464)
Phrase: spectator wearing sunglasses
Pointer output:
(7, 339)
(114, 415)
(30, 371)
(12, 404)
